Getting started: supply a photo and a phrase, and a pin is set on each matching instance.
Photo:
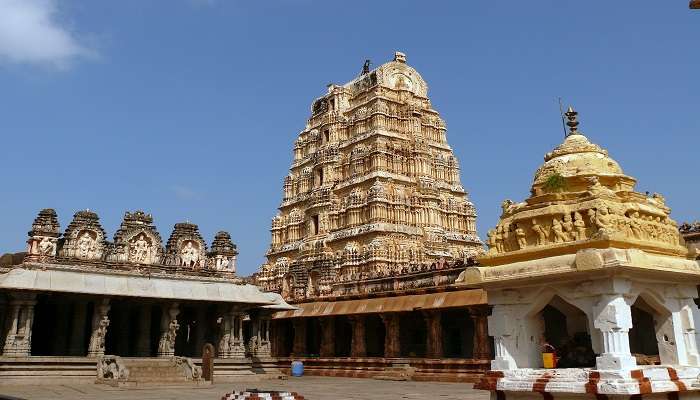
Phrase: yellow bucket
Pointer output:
(548, 360)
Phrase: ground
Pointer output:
(312, 388)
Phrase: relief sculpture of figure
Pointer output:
(47, 247)
(636, 226)
(97, 341)
(541, 233)
(558, 230)
(580, 226)
(140, 250)
(499, 239)
(493, 244)
(189, 255)
(568, 226)
(602, 219)
(520, 236)
(86, 246)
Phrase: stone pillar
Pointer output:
(168, 331)
(327, 337)
(77, 337)
(299, 346)
(613, 317)
(200, 330)
(143, 342)
(358, 346)
(392, 344)
(482, 345)
(18, 342)
(238, 346)
(100, 322)
(433, 322)
(260, 342)
(231, 343)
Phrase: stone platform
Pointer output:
(311, 387)
(576, 383)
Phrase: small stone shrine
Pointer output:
(591, 269)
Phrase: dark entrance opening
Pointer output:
(642, 336)
(343, 336)
(457, 334)
(313, 337)
(374, 335)
(412, 334)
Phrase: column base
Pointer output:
(607, 361)
(15, 348)
(503, 364)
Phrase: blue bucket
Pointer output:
(297, 368)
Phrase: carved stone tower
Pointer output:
(373, 189)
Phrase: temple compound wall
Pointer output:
(373, 229)
(591, 285)
(77, 294)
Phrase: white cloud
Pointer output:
(30, 33)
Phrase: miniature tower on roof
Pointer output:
(588, 263)
(373, 187)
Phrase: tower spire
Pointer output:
(572, 122)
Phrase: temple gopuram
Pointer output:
(591, 286)
(373, 229)
(77, 306)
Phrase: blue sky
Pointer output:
(188, 109)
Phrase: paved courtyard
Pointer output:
(312, 388)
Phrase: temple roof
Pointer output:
(581, 198)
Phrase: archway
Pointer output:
(565, 327)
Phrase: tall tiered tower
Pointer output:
(374, 189)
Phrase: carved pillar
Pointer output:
(614, 320)
(77, 337)
(433, 323)
(299, 346)
(143, 343)
(327, 337)
(18, 342)
(392, 344)
(260, 342)
(358, 346)
(238, 345)
(482, 345)
(100, 322)
(168, 331)
(200, 329)
(231, 343)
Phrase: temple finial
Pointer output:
(572, 122)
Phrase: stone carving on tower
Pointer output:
(223, 253)
(84, 238)
(373, 191)
(185, 247)
(43, 238)
(137, 246)
(137, 240)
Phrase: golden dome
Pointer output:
(577, 156)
